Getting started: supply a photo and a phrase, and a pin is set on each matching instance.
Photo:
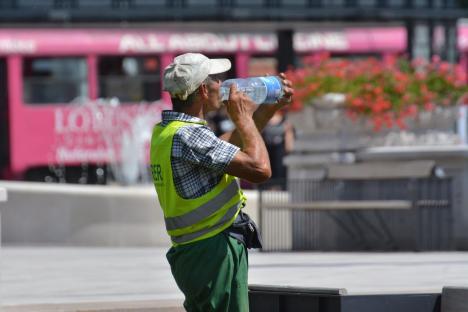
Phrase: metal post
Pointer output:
(451, 35)
(409, 38)
(285, 53)
(430, 42)
(462, 121)
(3, 198)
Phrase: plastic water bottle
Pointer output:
(262, 90)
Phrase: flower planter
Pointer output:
(326, 120)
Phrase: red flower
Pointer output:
(387, 91)
(429, 106)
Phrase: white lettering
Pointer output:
(230, 43)
(463, 42)
(181, 42)
(102, 119)
(215, 42)
(205, 42)
(210, 42)
(135, 43)
(154, 44)
(127, 43)
(82, 155)
(79, 121)
(96, 131)
(244, 43)
(320, 41)
(17, 46)
(265, 43)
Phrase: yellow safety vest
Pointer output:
(190, 220)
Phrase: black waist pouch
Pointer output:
(245, 230)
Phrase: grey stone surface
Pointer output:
(48, 276)
(454, 299)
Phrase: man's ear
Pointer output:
(203, 90)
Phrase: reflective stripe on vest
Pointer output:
(204, 211)
(224, 220)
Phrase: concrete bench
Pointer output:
(86, 215)
(286, 223)
(354, 204)
(341, 205)
(122, 306)
(3, 194)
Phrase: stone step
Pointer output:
(125, 306)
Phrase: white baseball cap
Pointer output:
(187, 72)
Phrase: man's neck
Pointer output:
(194, 111)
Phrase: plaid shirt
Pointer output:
(199, 158)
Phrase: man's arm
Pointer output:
(263, 113)
(251, 162)
(288, 137)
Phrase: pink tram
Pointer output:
(47, 74)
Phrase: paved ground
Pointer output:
(83, 275)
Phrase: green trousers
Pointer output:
(212, 274)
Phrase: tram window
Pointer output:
(335, 3)
(367, 3)
(396, 3)
(149, 3)
(300, 3)
(130, 78)
(35, 4)
(54, 80)
(198, 3)
(106, 4)
(420, 3)
(249, 3)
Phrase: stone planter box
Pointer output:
(326, 124)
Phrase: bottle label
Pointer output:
(274, 89)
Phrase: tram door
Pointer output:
(4, 124)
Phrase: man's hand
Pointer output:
(286, 99)
(239, 106)
(262, 114)
(251, 162)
